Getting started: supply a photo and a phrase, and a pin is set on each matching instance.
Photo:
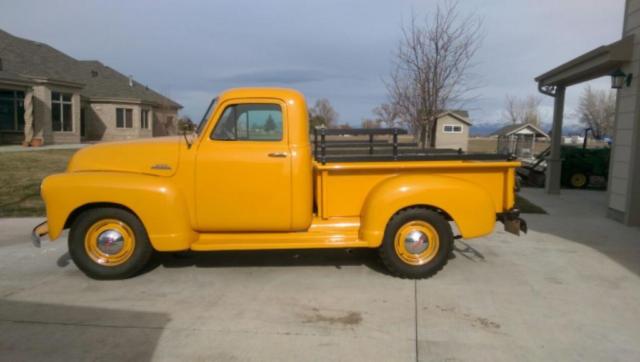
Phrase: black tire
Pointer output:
(393, 261)
(142, 249)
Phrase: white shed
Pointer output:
(519, 139)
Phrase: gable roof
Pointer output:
(461, 115)
(27, 60)
(513, 128)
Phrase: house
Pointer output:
(49, 97)
(452, 130)
(519, 139)
(619, 60)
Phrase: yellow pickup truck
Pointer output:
(249, 178)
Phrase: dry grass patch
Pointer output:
(20, 177)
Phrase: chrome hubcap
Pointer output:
(110, 241)
(416, 242)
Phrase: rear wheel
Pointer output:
(417, 243)
(109, 243)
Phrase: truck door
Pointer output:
(243, 170)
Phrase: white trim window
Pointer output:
(452, 128)
(144, 119)
(124, 118)
(61, 112)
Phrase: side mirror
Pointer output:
(185, 126)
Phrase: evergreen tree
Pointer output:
(270, 124)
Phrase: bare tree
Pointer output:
(386, 114)
(526, 110)
(322, 113)
(596, 109)
(433, 64)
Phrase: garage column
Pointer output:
(554, 161)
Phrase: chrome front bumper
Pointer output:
(39, 234)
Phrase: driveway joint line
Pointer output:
(415, 314)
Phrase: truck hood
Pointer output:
(155, 156)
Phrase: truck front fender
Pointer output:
(470, 206)
(155, 200)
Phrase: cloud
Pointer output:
(327, 49)
(288, 76)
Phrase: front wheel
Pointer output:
(109, 243)
(417, 243)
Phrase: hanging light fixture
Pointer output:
(620, 79)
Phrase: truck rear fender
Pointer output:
(469, 205)
(154, 200)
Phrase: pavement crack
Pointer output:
(415, 316)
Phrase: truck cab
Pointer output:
(253, 151)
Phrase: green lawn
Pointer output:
(20, 177)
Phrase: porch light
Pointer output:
(620, 79)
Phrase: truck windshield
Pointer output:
(206, 115)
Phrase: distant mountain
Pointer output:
(486, 129)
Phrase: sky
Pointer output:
(339, 50)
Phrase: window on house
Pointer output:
(452, 128)
(255, 122)
(144, 119)
(11, 110)
(61, 112)
(124, 118)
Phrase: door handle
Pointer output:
(277, 154)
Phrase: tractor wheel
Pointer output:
(578, 180)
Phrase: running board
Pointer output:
(333, 233)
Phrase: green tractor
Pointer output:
(582, 167)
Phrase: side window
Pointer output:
(253, 122)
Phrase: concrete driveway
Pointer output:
(569, 290)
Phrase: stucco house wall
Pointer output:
(456, 140)
(164, 122)
(101, 122)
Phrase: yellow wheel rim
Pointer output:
(578, 180)
(417, 242)
(109, 242)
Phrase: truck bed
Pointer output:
(348, 168)
(342, 187)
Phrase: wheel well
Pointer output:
(429, 207)
(96, 205)
(440, 211)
